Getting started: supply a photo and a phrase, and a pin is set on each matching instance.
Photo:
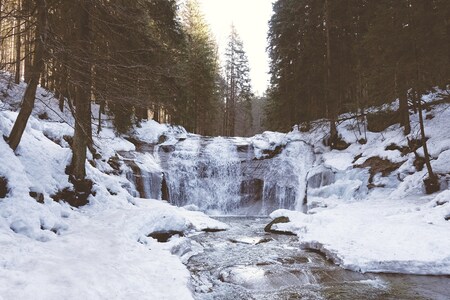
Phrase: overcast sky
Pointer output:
(250, 17)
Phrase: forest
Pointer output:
(158, 59)
(140, 160)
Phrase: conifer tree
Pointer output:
(239, 94)
(200, 70)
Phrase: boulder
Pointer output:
(278, 220)
(164, 236)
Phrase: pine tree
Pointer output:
(200, 70)
(239, 94)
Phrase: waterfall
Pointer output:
(205, 173)
(224, 175)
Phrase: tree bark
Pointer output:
(331, 106)
(30, 92)
(18, 44)
(82, 98)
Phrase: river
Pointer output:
(245, 262)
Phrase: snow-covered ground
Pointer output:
(389, 227)
(102, 251)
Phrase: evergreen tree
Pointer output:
(200, 69)
(238, 118)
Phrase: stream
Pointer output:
(245, 262)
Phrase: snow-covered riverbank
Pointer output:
(49, 250)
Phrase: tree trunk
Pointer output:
(18, 44)
(30, 92)
(331, 106)
(82, 136)
(402, 95)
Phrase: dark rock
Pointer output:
(114, 163)
(167, 148)
(251, 190)
(441, 202)
(264, 240)
(271, 153)
(357, 157)
(429, 117)
(162, 138)
(213, 229)
(3, 187)
(243, 148)
(362, 141)
(278, 220)
(112, 193)
(431, 185)
(164, 236)
(447, 218)
(165, 193)
(39, 197)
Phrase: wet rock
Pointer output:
(271, 153)
(278, 220)
(264, 240)
(213, 229)
(164, 236)
(243, 148)
(251, 191)
(167, 148)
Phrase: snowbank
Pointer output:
(379, 235)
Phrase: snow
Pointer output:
(50, 250)
(97, 254)
(378, 235)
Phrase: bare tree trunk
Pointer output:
(401, 94)
(82, 99)
(18, 44)
(432, 182)
(330, 104)
(30, 92)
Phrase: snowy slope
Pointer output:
(391, 226)
(101, 251)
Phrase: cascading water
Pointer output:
(224, 176)
(205, 174)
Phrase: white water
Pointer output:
(222, 176)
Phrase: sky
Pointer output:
(250, 17)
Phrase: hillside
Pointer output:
(366, 206)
